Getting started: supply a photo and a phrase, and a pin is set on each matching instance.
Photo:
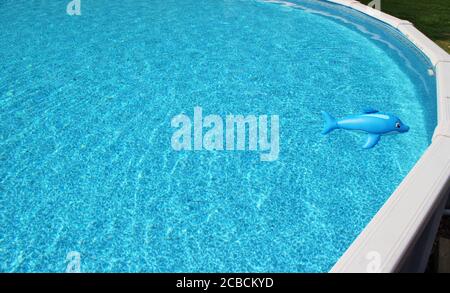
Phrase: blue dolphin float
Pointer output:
(371, 121)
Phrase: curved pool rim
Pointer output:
(399, 237)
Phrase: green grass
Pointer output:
(432, 17)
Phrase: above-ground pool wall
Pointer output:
(416, 259)
(400, 236)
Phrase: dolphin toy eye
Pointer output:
(397, 125)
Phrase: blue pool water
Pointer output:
(86, 162)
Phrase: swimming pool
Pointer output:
(86, 108)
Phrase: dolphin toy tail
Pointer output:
(330, 123)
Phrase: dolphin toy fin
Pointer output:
(330, 123)
(370, 110)
(372, 140)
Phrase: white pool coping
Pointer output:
(387, 240)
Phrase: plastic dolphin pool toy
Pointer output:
(372, 121)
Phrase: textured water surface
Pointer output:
(86, 162)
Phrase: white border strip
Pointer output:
(395, 228)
